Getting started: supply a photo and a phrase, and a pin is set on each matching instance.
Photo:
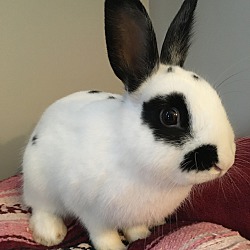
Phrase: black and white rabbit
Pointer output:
(126, 162)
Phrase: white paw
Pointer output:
(135, 233)
(47, 229)
(108, 240)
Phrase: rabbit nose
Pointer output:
(200, 159)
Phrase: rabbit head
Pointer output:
(183, 120)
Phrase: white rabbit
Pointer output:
(126, 162)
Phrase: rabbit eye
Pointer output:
(170, 117)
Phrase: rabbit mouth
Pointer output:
(217, 171)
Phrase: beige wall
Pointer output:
(48, 49)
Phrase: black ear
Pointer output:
(177, 41)
(131, 42)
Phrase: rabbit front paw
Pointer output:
(108, 240)
(135, 233)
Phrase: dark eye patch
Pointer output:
(151, 117)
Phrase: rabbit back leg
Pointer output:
(47, 228)
(45, 223)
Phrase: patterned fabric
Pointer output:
(205, 236)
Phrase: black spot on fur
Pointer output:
(196, 77)
(200, 159)
(34, 140)
(111, 97)
(170, 70)
(151, 112)
(94, 91)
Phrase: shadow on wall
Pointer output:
(11, 156)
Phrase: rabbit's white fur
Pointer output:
(107, 169)
(126, 162)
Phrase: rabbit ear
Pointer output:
(131, 42)
(177, 41)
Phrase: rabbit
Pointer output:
(126, 162)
